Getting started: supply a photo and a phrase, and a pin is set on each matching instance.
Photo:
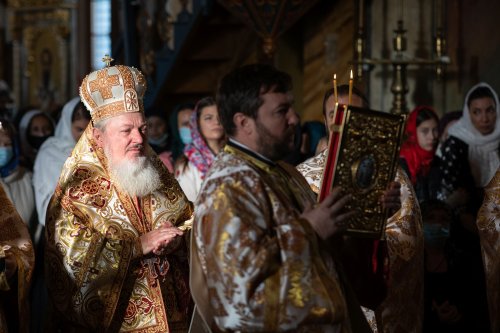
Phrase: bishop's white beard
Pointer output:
(135, 177)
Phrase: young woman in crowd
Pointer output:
(207, 139)
(417, 151)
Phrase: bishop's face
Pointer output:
(123, 137)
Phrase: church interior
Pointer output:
(133, 187)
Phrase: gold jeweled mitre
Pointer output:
(113, 90)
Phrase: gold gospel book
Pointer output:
(362, 159)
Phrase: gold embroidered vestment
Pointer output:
(15, 239)
(488, 225)
(263, 267)
(96, 275)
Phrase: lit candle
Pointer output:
(335, 88)
(350, 88)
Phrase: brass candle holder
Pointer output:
(399, 62)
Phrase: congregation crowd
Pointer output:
(206, 215)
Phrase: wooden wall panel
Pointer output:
(328, 48)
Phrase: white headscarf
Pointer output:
(51, 157)
(483, 149)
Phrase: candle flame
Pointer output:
(335, 88)
(350, 88)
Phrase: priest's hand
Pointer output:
(329, 217)
(158, 239)
(391, 199)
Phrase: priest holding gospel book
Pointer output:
(402, 308)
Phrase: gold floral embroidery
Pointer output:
(115, 98)
(104, 83)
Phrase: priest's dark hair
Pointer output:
(241, 90)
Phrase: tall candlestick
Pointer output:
(335, 88)
(350, 88)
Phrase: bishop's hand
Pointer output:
(158, 240)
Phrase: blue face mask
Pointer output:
(185, 134)
(6, 154)
(161, 141)
(436, 234)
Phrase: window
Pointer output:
(100, 31)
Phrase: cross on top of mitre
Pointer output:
(107, 60)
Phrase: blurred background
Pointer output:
(403, 53)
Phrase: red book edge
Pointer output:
(333, 151)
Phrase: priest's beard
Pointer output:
(136, 177)
(272, 146)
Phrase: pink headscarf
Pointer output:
(198, 152)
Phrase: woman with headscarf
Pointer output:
(16, 180)
(16, 267)
(207, 139)
(417, 152)
(34, 128)
(470, 156)
(54, 152)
